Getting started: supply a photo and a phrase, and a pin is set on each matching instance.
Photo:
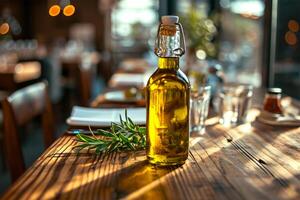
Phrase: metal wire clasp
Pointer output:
(177, 51)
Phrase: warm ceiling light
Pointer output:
(293, 26)
(69, 10)
(4, 28)
(291, 38)
(54, 10)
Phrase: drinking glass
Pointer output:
(234, 103)
(199, 104)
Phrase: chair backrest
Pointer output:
(83, 78)
(18, 109)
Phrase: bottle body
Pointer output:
(168, 97)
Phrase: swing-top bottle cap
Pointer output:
(169, 19)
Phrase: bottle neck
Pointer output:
(169, 41)
(168, 63)
(273, 96)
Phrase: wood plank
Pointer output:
(280, 167)
(236, 163)
(224, 167)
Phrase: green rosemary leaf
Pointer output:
(115, 127)
(113, 146)
(121, 121)
(81, 138)
(132, 125)
(104, 133)
(85, 138)
(134, 139)
(126, 141)
(142, 129)
(126, 116)
(101, 148)
(122, 136)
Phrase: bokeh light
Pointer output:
(293, 25)
(4, 28)
(291, 38)
(200, 54)
(69, 10)
(54, 10)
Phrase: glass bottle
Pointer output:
(272, 101)
(168, 96)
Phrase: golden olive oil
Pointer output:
(168, 96)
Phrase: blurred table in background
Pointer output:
(101, 101)
(14, 76)
(132, 74)
(80, 72)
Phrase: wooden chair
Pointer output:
(85, 81)
(3, 94)
(18, 109)
(82, 78)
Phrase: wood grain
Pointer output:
(251, 161)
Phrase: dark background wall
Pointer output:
(37, 23)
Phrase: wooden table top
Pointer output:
(250, 161)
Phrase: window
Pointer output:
(133, 22)
(285, 57)
(240, 48)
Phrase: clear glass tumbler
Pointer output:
(234, 103)
(199, 105)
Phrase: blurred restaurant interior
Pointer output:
(77, 46)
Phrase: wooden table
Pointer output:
(12, 77)
(81, 70)
(250, 161)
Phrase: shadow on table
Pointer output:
(142, 179)
(138, 180)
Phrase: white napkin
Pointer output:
(127, 79)
(83, 116)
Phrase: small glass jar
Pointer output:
(272, 101)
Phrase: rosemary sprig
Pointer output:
(122, 136)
